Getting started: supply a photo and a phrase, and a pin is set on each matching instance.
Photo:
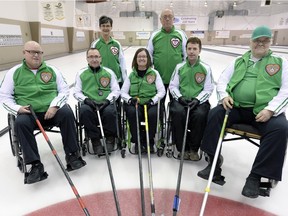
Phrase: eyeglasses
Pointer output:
(266, 41)
(141, 56)
(94, 57)
(167, 17)
(105, 26)
(34, 52)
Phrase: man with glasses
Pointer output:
(166, 46)
(40, 85)
(255, 88)
(110, 49)
(96, 87)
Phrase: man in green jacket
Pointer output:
(191, 86)
(110, 49)
(40, 85)
(255, 88)
(166, 46)
(97, 88)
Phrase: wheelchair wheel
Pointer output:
(123, 152)
(20, 164)
(169, 153)
(12, 136)
(160, 150)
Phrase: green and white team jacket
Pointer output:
(112, 56)
(97, 86)
(42, 88)
(271, 90)
(167, 50)
(192, 81)
(150, 86)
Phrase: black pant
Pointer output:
(90, 120)
(152, 122)
(196, 125)
(270, 156)
(25, 124)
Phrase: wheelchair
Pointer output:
(16, 145)
(252, 135)
(84, 141)
(171, 150)
(159, 136)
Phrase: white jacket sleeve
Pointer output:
(160, 88)
(174, 84)
(7, 92)
(224, 80)
(77, 90)
(122, 64)
(125, 90)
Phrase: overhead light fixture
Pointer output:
(171, 4)
(235, 4)
(113, 5)
(205, 4)
(142, 4)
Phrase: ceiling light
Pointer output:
(113, 5)
(205, 4)
(234, 4)
(171, 4)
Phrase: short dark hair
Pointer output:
(194, 40)
(91, 48)
(105, 19)
(134, 62)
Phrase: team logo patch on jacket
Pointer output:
(114, 50)
(199, 77)
(175, 42)
(104, 81)
(272, 69)
(151, 78)
(46, 76)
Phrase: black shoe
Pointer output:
(217, 177)
(74, 161)
(36, 174)
(152, 150)
(136, 148)
(143, 149)
(186, 156)
(251, 188)
(97, 147)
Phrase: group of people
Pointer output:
(254, 87)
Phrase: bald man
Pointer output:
(166, 46)
(42, 86)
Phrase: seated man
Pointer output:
(255, 88)
(96, 86)
(191, 86)
(42, 86)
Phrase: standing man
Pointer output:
(97, 87)
(166, 47)
(255, 88)
(42, 86)
(110, 49)
(191, 86)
